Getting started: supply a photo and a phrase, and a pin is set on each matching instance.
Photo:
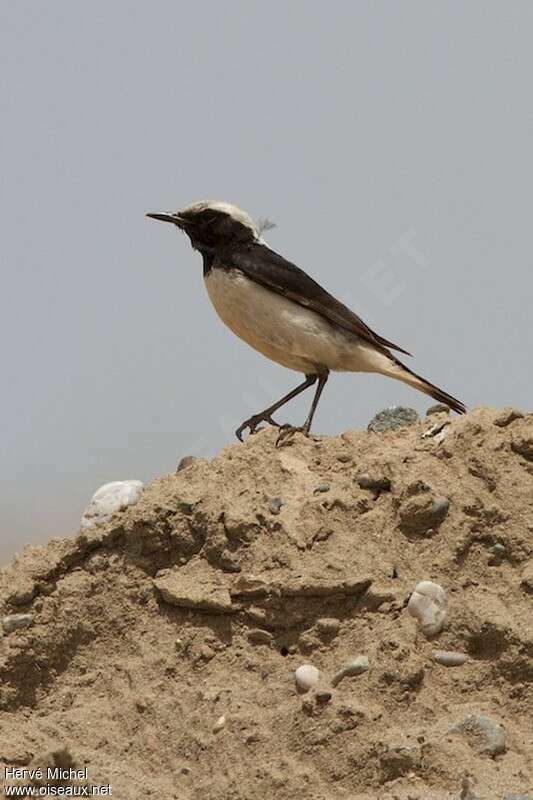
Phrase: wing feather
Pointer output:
(266, 267)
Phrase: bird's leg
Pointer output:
(288, 430)
(266, 415)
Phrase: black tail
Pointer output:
(429, 388)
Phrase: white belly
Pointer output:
(285, 332)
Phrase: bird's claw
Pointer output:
(252, 424)
(287, 432)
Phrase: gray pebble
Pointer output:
(185, 462)
(483, 734)
(15, 622)
(439, 408)
(391, 418)
(440, 507)
(518, 797)
(275, 504)
(322, 487)
(354, 667)
(449, 658)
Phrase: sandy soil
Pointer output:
(162, 647)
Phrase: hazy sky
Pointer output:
(390, 142)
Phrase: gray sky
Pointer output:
(390, 142)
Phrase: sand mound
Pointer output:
(161, 648)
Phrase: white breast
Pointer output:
(285, 332)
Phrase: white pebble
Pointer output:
(219, 724)
(449, 658)
(354, 667)
(110, 498)
(428, 603)
(306, 677)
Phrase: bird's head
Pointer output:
(211, 225)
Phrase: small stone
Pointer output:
(328, 626)
(323, 696)
(219, 724)
(498, 554)
(518, 797)
(392, 418)
(422, 514)
(377, 483)
(306, 676)
(182, 590)
(354, 667)
(322, 487)
(428, 604)
(275, 504)
(508, 415)
(399, 759)
(523, 445)
(439, 408)
(449, 658)
(440, 507)
(22, 593)
(108, 500)
(206, 652)
(185, 462)
(15, 622)
(483, 734)
(344, 458)
(259, 636)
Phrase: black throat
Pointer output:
(208, 258)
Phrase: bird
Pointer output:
(283, 313)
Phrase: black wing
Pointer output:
(269, 269)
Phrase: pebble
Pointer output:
(428, 604)
(219, 724)
(23, 593)
(391, 418)
(185, 462)
(439, 408)
(440, 507)
(275, 504)
(378, 483)
(328, 626)
(306, 676)
(518, 797)
(483, 734)
(449, 658)
(354, 667)
(322, 487)
(110, 498)
(423, 514)
(14, 622)
(508, 415)
(260, 636)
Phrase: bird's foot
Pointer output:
(252, 424)
(287, 432)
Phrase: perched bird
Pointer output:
(279, 310)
